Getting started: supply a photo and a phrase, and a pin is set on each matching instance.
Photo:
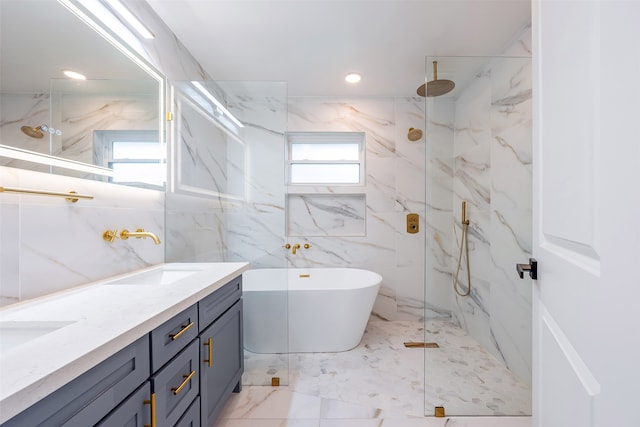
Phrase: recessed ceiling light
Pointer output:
(74, 75)
(352, 78)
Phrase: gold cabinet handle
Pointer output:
(187, 378)
(209, 344)
(152, 402)
(184, 329)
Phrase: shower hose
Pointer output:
(463, 243)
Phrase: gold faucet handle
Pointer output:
(307, 246)
(110, 235)
(287, 246)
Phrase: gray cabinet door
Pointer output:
(90, 397)
(176, 386)
(133, 412)
(221, 363)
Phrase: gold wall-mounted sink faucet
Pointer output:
(139, 234)
(111, 235)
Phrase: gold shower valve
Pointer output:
(413, 223)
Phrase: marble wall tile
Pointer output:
(201, 150)
(9, 248)
(326, 215)
(53, 237)
(472, 115)
(492, 171)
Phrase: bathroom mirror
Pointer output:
(105, 127)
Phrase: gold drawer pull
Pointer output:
(209, 344)
(187, 378)
(152, 402)
(182, 331)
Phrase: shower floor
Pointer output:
(383, 374)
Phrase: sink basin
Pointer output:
(13, 334)
(160, 276)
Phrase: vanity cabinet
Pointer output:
(180, 374)
(90, 397)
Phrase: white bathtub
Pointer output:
(301, 310)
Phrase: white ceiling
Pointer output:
(312, 44)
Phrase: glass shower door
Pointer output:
(256, 228)
(478, 162)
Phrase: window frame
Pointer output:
(103, 153)
(358, 138)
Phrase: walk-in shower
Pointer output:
(478, 198)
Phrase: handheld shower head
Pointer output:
(436, 87)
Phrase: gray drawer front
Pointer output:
(212, 306)
(192, 417)
(170, 404)
(227, 363)
(164, 342)
(91, 396)
(133, 412)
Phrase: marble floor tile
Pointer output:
(382, 383)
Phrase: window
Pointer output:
(136, 157)
(326, 158)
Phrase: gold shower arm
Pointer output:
(71, 196)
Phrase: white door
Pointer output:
(586, 326)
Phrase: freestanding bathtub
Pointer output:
(301, 310)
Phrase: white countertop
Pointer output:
(106, 318)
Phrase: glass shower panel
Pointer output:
(478, 357)
(256, 228)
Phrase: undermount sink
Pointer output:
(164, 275)
(15, 333)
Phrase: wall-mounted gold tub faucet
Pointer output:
(294, 248)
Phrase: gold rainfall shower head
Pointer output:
(414, 134)
(436, 87)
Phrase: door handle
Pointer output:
(532, 268)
